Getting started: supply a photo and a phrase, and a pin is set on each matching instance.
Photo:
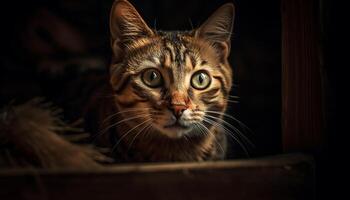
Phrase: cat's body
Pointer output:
(167, 91)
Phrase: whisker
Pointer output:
(124, 111)
(146, 127)
(228, 131)
(146, 133)
(186, 138)
(233, 97)
(155, 25)
(115, 124)
(234, 128)
(233, 118)
(125, 134)
(191, 24)
(231, 101)
(217, 142)
(200, 129)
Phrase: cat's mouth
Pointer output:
(176, 125)
(175, 129)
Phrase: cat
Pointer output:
(168, 90)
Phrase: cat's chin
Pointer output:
(174, 131)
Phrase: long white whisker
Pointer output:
(124, 111)
(234, 97)
(234, 129)
(146, 133)
(217, 142)
(229, 132)
(146, 127)
(232, 101)
(200, 129)
(119, 122)
(129, 131)
(231, 117)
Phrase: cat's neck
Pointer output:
(153, 146)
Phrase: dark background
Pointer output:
(39, 39)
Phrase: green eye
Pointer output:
(200, 80)
(152, 78)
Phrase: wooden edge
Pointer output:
(271, 161)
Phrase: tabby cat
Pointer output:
(169, 90)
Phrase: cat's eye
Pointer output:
(152, 78)
(200, 80)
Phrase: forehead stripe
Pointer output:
(189, 55)
(170, 75)
(170, 51)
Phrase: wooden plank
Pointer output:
(280, 177)
(302, 96)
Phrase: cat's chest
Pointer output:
(165, 150)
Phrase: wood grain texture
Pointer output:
(279, 177)
(302, 93)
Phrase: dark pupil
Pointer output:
(201, 78)
(153, 76)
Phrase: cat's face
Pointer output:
(175, 83)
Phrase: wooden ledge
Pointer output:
(278, 177)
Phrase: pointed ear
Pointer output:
(126, 25)
(218, 28)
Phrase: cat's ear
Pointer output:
(126, 25)
(218, 28)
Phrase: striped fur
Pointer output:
(145, 120)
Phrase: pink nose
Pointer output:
(178, 109)
(178, 103)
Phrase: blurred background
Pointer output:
(47, 45)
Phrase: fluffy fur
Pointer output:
(30, 135)
(146, 119)
(169, 92)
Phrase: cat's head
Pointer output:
(176, 83)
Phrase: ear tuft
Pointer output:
(218, 28)
(219, 25)
(126, 24)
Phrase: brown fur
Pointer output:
(137, 122)
(32, 130)
(176, 55)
